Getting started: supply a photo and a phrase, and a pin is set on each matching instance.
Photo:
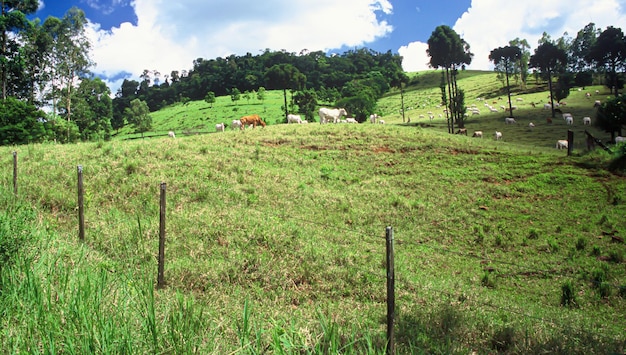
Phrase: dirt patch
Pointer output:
(383, 150)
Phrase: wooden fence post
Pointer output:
(570, 142)
(15, 173)
(160, 277)
(81, 209)
(391, 298)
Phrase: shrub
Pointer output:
(581, 243)
(568, 297)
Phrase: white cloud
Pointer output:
(169, 35)
(489, 24)
(414, 57)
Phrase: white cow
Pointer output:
(569, 120)
(620, 139)
(478, 134)
(587, 120)
(293, 119)
(498, 135)
(220, 127)
(351, 120)
(547, 106)
(531, 125)
(373, 118)
(236, 124)
(171, 134)
(509, 120)
(561, 144)
(331, 114)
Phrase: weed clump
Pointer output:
(568, 297)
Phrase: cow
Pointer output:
(293, 119)
(171, 134)
(235, 124)
(253, 120)
(331, 114)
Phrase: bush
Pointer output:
(568, 296)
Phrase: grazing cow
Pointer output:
(549, 120)
(561, 144)
(331, 114)
(509, 120)
(236, 124)
(351, 120)
(498, 135)
(462, 131)
(171, 134)
(293, 119)
(253, 120)
(478, 134)
(586, 121)
(597, 103)
(620, 139)
(597, 92)
(569, 120)
(381, 121)
(547, 106)
(587, 94)
(220, 127)
(373, 118)
(531, 125)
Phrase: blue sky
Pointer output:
(129, 36)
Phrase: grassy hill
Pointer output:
(275, 239)
(421, 97)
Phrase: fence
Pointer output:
(390, 265)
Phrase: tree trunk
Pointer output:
(550, 87)
(285, 97)
(508, 87)
(450, 114)
(402, 101)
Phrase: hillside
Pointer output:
(421, 97)
(275, 243)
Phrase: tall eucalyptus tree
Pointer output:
(447, 50)
(504, 59)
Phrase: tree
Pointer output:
(609, 53)
(548, 58)
(307, 103)
(611, 115)
(448, 51)
(69, 56)
(260, 94)
(210, 98)
(505, 58)
(521, 68)
(138, 114)
(93, 109)
(285, 76)
(12, 20)
(20, 122)
(235, 95)
(580, 49)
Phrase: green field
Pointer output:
(275, 236)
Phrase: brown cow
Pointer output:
(253, 120)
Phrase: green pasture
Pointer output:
(275, 238)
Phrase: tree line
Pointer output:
(46, 65)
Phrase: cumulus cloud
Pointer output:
(169, 35)
(414, 57)
(488, 24)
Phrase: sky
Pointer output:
(130, 36)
